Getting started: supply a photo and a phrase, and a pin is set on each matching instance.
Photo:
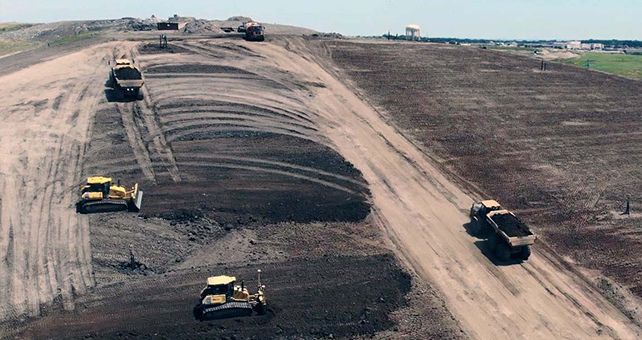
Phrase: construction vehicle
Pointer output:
(126, 78)
(223, 298)
(508, 236)
(99, 194)
(254, 31)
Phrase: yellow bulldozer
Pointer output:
(100, 194)
(223, 298)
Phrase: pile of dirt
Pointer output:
(548, 54)
(239, 18)
(59, 30)
(511, 225)
(201, 26)
(155, 48)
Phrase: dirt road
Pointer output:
(424, 214)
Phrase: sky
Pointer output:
(490, 19)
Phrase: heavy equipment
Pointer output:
(126, 78)
(508, 236)
(223, 298)
(254, 31)
(99, 194)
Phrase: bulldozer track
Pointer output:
(161, 150)
(51, 258)
(135, 139)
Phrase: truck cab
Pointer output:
(254, 32)
(479, 210)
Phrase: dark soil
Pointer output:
(323, 297)
(561, 148)
(128, 74)
(155, 49)
(196, 68)
(511, 225)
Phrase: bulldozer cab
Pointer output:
(97, 184)
(219, 285)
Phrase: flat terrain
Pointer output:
(629, 66)
(561, 148)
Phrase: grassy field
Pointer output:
(73, 38)
(621, 64)
(11, 46)
(12, 26)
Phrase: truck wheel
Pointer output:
(482, 228)
(503, 251)
(492, 242)
(526, 253)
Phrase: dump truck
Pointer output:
(508, 236)
(223, 298)
(100, 194)
(254, 31)
(126, 78)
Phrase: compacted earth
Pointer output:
(561, 148)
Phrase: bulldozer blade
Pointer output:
(137, 202)
(91, 207)
(228, 310)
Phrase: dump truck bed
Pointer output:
(509, 226)
(128, 77)
(127, 73)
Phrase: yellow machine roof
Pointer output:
(220, 280)
(490, 204)
(499, 212)
(123, 62)
(98, 180)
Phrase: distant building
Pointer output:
(413, 32)
(167, 26)
(577, 45)
(574, 45)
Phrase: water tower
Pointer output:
(413, 32)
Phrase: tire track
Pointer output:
(161, 148)
(289, 166)
(271, 171)
(136, 142)
(170, 116)
(238, 128)
(45, 256)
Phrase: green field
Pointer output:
(73, 38)
(11, 46)
(629, 66)
(12, 26)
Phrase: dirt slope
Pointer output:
(46, 113)
(561, 148)
(237, 176)
(421, 211)
(424, 214)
